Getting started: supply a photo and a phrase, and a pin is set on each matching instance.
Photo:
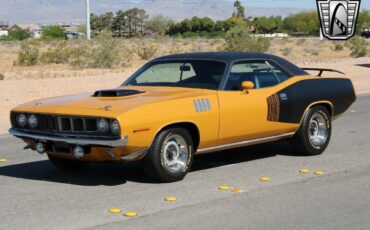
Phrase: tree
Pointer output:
(18, 34)
(101, 22)
(268, 24)
(304, 22)
(160, 24)
(239, 10)
(119, 23)
(207, 24)
(143, 17)
(53, 32)
(363, 20)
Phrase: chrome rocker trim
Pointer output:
(245, 143)
(75, 141)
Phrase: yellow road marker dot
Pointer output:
(2, 160)
(319, 173)
(130, 214)
(223, 187)
(236, 190)
(170, 198)
(304, 170)
(352, 111)
(264, 179)
(114, 210)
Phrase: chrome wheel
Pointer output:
(317, 129)
(175, 153)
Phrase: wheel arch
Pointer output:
(190, 126)
(327, 104)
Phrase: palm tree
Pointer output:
(239, 10)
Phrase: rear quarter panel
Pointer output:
(306, 91)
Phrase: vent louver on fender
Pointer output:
(116, 93)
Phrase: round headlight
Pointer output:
(22, 120)
(103, 125)
(32, 121)
(115, 128)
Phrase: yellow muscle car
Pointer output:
(180, 105)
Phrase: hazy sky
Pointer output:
(49, 11)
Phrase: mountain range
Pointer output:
(178, 10)
(42, 11)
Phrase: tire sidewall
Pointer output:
(156, 155)
(316, 149)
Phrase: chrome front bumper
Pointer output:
(74, 141)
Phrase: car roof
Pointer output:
(230, 57)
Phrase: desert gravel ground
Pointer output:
(15, 92)
(35, 195)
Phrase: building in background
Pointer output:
(4, 25)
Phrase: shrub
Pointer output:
(238, 39)
(285, 40)
(2, 77)
(18, 34)
(79, 57)
(189, 34)
(59, 55)
(28, 55)
(338, 47)
(105, 53)
(146, 52)
(286, 51)
(301, 41)
(357, 46)
(53, 32)
(315, 53)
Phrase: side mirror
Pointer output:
(247, 85)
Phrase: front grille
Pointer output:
(55, 124)
(77, 124)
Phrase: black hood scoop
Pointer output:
(116, 93)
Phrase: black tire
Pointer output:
(155, 163)
(303, 142)
(66, 164)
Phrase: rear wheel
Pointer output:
(66, 164)
(314, 134)
(171, 155)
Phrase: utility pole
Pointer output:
(88, 36)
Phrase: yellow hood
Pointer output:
(116, 105)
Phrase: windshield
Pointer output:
(190, 74)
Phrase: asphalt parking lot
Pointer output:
(35, 195)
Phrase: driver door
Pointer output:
(243, 115)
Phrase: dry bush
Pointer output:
(104, 54)
(358, 47)
(238, 39)
(2, 77)
(338, 47)
(301, 41)
(315, 53)
(146, 52)
(28, 55)
(286, 51)
(59, 55)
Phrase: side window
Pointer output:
(167, 72)
(258, 72)
(282, 75)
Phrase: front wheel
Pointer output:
(171, 155)
(314, 134)
(66, 164)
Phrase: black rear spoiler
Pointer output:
(323, 70)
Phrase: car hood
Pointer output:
(147, 95)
